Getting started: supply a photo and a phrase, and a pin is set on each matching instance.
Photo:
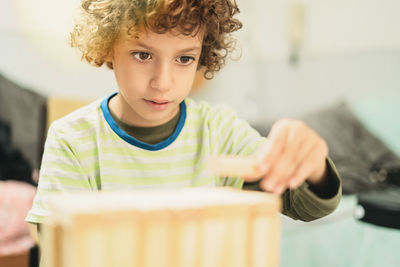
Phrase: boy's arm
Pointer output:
(292, 162)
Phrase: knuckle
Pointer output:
(325, 147)
(283, 123)
(264, 185)
(299, 124)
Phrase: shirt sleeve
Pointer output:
(60, 171)
(233, 136)
(306, 204)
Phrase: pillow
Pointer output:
(25, 111)
(13, 166)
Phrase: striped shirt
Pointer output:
(88, 151)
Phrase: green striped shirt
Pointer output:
(88, 151)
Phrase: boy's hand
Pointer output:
(295, 153)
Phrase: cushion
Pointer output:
(25, 111)
(16, 199)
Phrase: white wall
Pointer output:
(35, 50)
(330, 26)
(349, 48)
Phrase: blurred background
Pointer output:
(296, 55)
(297, 58)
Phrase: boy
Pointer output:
(150, 135)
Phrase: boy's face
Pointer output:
(154, 73)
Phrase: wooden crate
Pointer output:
(180, 228)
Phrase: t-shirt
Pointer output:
(87, 150)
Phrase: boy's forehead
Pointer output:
(143, 34)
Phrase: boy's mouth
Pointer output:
(158, 104)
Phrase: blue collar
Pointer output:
(133, 141)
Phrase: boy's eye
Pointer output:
(142, 56)
(185, 60)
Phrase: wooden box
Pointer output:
(180, 228)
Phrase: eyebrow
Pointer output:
(185, 50)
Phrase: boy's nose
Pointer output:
(162, 79)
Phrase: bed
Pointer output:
(339, 240)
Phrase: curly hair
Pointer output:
(101, 22)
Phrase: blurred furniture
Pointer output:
(381, 207)
(364, 144)
(25, 111)
(15, 260)
(58, 107)
(15, 242)
(27, 115)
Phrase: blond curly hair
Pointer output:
(101, 21)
